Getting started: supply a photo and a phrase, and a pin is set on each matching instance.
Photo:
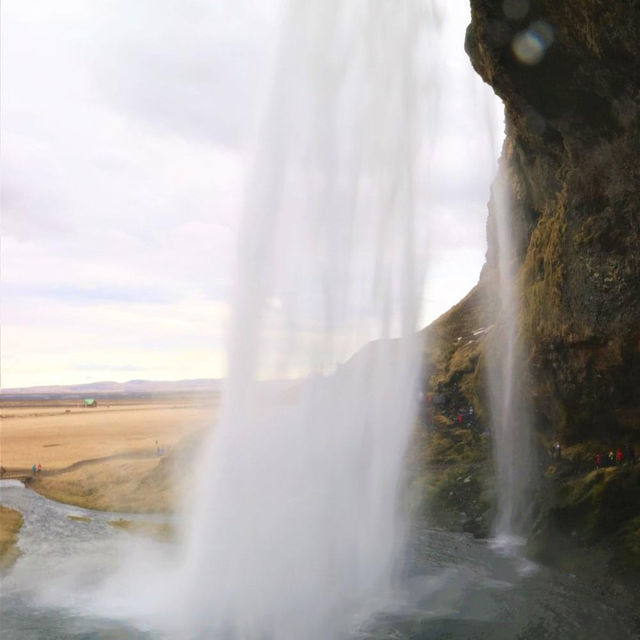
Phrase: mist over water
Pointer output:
(297, 530)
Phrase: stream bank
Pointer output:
(11, 522)
(71, 583)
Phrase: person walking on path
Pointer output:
(34, 469)
(619, 456)
(598, 460)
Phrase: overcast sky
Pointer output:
(125, 136)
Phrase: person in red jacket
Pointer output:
(619, 456)
(598, 460)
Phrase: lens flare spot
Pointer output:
(530, 45)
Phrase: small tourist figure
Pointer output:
(598, 460)
(612, 458)
(34, 469)
(459, 418)
(39, 468)
(558, 451)
(619, 456)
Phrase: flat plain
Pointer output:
(56, 435)
(121, 455)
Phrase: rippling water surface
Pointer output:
(455, 587)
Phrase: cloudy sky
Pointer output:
(126, 130)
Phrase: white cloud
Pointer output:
(124, 128)
(46, 341)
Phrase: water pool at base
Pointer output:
(455, 587)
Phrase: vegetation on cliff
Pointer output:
(450, 454)
(570, 158)
(573, 140)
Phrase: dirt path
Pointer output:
(28, 475)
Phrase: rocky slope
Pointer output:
(568, 74)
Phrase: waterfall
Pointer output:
(297, 532)
(512, 436)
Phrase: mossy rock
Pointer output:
(598, 512)
(455, 499)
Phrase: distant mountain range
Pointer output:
(132, 386)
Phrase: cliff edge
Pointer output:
(568, 74)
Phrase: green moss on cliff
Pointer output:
(457, 499)
(598, 510)
(570, 158)
(542, 277)
(450, 458)
(603, 500)
(570, 161)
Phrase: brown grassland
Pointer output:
(105, 457)
(10, 524)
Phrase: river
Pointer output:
(454, 587)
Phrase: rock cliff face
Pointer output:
(569, 76)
